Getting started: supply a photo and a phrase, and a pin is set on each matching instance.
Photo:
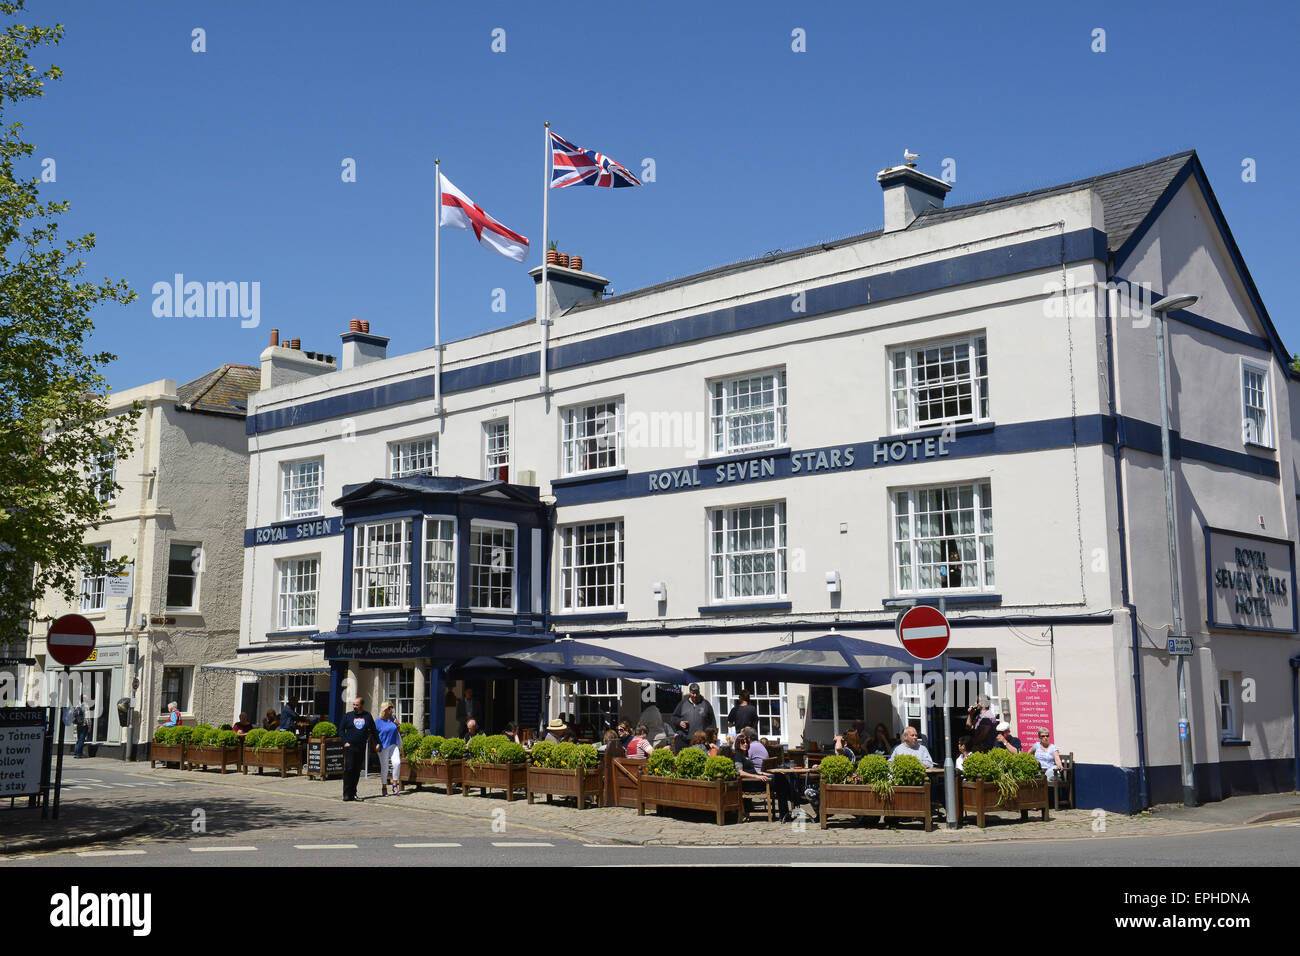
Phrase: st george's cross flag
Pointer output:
(461, 212)
(571, 165)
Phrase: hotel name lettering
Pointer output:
(1251, 582)
(296, 532)
(801, 463)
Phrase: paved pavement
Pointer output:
(199, 818)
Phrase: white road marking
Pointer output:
(324, 846)
(1286, 824)
(221, 849)
(520, 843)
(607, 846)
(847, 863)
(111, 853)
(417, 846)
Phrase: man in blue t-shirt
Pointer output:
(358, 731)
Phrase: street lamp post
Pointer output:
(1165, 305)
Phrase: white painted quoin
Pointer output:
(964, 379)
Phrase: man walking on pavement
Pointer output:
(693, 714)
(358, 732)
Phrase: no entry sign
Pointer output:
(71, 640)
(924, 632)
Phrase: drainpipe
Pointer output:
(1295, 716)
(1111, 309)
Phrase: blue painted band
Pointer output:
(1014, 259)
(754, 606)
(594, 616)
(745, 456)
(299, 530)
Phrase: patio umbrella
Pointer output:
(569, 660)
(830, 660)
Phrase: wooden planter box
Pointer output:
(166, 753)
(621, 778)
(281, 760)
(717, 796)
(449, 774)
(494, 776)
(206, 757)
(862, 801)
(981, 796)
(406, 772)
(579, 784)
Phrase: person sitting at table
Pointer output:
(963, 750)
(242, 726)
(270, 721)
(881, 742)
(610, 742)
(639, 745)
(1005, 739)
(911, 744)
(289, 715)
(511, 733)
(471, 728)
(700, 741)
(1046, 754)
(711, 740)
(757, 751)
(557, 731)
(753, 779)
(625, 735)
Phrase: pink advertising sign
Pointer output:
(1033, 709)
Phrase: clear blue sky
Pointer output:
(225, 165)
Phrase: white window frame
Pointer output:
(493, 458)
(290, 487)
(363, 591)
(302, 686)
(297, 602)
(427, 563)
(397, 682)
(1228, 703)
(94, 587)
(572, 584)
(1264, 438)
(575, 447)
(404, 458)
(598, 689)
(903, 387)
(905, 532)
(719, 562)
(195, 549)
(96, 475)
(726, 694)
(724, 391)
(485, 525)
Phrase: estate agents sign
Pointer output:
(1249, 581)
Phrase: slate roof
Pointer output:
(223, 391)
(1127, 196)
(437, 484)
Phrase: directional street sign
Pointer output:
(1181, 646)
(71, 639)
(924, 631)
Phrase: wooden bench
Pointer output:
(1064, 781)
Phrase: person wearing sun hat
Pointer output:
(1006, 740)
(556, 730)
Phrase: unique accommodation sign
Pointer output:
(1249, 581)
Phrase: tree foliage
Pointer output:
(57, 439)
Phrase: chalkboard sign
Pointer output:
(822, 705)
(333, 759)
(530, 703)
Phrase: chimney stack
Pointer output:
(275, 337)
(908, 193)
(569, 284)
(360, 347)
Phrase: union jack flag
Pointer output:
(573, 164)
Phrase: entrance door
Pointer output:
(103, 714)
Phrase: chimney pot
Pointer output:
(354, 325)
(275, 336)
(365, 325)
(295, 343)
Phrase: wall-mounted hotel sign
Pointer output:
(1249, 582)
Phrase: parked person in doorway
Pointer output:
(358, 732)
(173, 715)
(390, 752)
(270, 721)
(911, 744)
(289, 715)
(242, 725)
(82, 726)
(1049, 758)
(468, 708)
(639, 745)
(743, 714)
(1005, 739)
(693, 713)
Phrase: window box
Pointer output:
(862, 801)
(719, 797)
(579, 783)
(494, 776)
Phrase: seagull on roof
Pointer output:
(909, 157)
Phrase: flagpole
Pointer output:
(437, 288)
(544, 313)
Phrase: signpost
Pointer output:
(925, 632)
(71, 640)
(1181, 646)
